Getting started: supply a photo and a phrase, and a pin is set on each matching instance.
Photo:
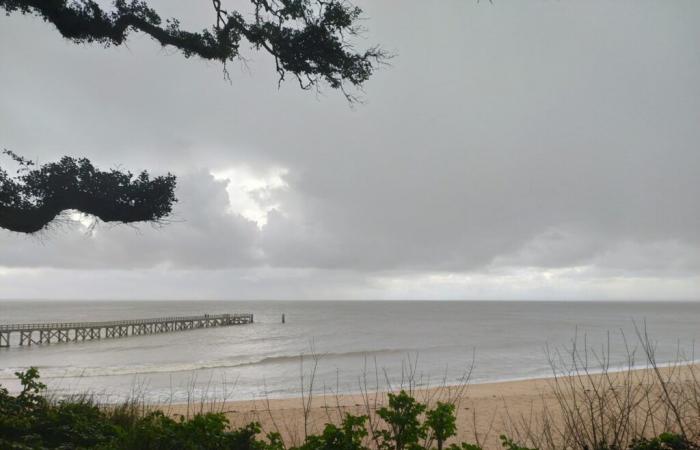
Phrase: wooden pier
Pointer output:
(47, 333)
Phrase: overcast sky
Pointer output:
(522, 150)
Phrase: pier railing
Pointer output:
(44, 333)
(113, 323)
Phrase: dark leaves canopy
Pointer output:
(307, 38)
(33, 198)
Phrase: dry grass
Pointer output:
(596, 407)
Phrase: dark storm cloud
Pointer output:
(520, 135)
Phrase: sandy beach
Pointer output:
(484, 411)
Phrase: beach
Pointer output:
(484, 411)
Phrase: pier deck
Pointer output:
(47, 333)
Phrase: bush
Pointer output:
(30, 421)
(665, 441)
(405, 429)
(349, 436)
(442, 422)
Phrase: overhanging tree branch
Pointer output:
(34, 197)
(307, 38)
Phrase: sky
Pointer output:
(517, 150)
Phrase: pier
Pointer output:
(47, 333)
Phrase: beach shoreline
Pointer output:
(484, 410)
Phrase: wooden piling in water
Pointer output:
(47, 333)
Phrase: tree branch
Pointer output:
(33, 198)
(306, 37)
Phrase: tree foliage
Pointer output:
(35, 196)
(405, 428)
(307, 38)
(442, 422)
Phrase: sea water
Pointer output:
(346, 346)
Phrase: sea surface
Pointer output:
(369, 344)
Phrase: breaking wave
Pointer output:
(106, 371)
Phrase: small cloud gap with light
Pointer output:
(252, 192)
(86, 221)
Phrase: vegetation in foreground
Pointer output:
(31, 421)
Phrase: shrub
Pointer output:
(442, 422)
(30, 421)
(665, 441)
(405, 428)
(349, 436)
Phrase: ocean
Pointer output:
(356, 344)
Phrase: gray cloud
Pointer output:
(509, 137)
(201, 234)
